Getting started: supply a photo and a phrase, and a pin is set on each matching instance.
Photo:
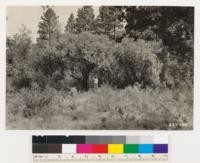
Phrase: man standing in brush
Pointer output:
(96, 81)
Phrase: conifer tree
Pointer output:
(108, 22)
(48, 27)
(85, 19)
(70, 27)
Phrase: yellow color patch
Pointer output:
(115, 148)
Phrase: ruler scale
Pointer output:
(64, 149)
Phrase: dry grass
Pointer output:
(104, 108)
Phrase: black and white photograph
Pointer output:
(99, 67)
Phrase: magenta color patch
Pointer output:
(84, 148)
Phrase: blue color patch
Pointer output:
(145, 148)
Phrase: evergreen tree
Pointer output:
(48, 27)
(173, 25)
(85, 19)
(70, 27)
(108, 21)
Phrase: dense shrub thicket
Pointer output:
(76, 58)
(145, 82)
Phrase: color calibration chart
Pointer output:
(123, 149)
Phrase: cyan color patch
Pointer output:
(145, 148)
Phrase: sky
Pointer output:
(30, 17)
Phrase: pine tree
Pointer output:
(48, 27)
(173, 25)
(108, 21)
(70, 27)
(85, 19)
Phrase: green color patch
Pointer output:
(130, 148)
